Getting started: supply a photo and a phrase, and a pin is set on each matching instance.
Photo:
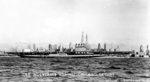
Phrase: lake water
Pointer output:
(16, 69)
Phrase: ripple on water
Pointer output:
(12, 68)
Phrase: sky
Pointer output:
(115, 22)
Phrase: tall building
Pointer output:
(141, 48)
(29, 47)
(105, 46)
(99, 47)
(49, 47)
(70, 45)
(147, 51)
(59, 47)
(116, 49)
(55, 47)
(110, 48)
(34, 47)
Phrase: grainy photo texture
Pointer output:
(74, 41)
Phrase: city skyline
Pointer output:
(118, 22)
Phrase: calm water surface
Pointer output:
(16, 69)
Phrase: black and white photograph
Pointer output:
(74, 41)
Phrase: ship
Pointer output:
(58, 55)
(81, 50)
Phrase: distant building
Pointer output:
(105, 47)
(99, 47)
(34, 47)
(49, 47)
(29, 47)
(141, 53)
(26, 50)
(116, 49)
(147, 51)
(41, 49)
(109, 50)
(141, 48)
(55, 47)
(86, 39)
(70, 45)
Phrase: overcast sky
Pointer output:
(120, 22)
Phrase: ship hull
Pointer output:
(59, 56)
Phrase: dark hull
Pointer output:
(61, 56)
